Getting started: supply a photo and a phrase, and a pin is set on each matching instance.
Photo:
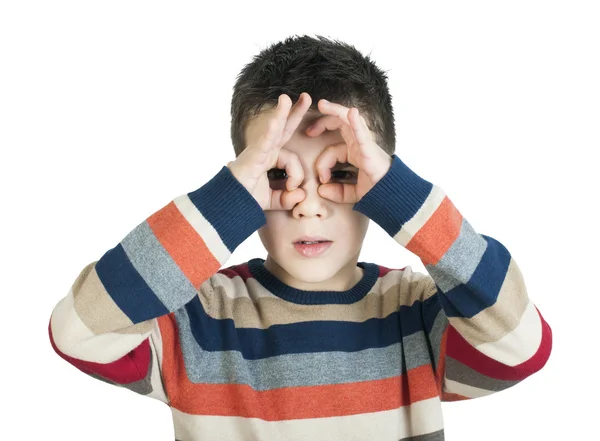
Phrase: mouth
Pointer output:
(312, 248)
(310, 240)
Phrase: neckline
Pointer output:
(294, 295)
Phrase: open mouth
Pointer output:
(312, 248)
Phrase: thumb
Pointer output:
(291, 198)
(286, 200)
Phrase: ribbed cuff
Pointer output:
(396, 198)
(229, 207)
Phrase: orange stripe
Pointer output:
(438, 234)
(185, 246)
(447, 396)
(441, 367)
(287, 402)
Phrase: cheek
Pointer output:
(359, 224)
(273, 229)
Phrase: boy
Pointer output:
(310, 343)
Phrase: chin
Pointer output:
(313, 270)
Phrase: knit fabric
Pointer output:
(238, 355)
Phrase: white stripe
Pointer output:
(418, 419)
(204, 228)
(520, 344)
(429, 207)
(464, 389)
(76, 340)
(156, 347)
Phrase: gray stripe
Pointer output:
(157, 268)
(416, 350)
(306, 369)
(461, 373)
(433, 436)
(435, 335)
(460, 261)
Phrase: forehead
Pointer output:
(308, 148)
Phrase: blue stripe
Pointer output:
(431, 308)
(300, 369)
(316, 336)
(229, 208)
(126, 287)
(481, 291)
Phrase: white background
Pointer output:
(109, 110)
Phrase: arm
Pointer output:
(485, 333)
(107, 326)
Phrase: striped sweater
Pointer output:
(238, 355)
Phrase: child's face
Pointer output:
(335, 269)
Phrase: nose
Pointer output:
(313, 205)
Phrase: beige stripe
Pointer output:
(417, 419)
(502, 317)
(258, 310)
(75, 339)
(96, 308)
(521, 344)
(158, 390)
(464, 389)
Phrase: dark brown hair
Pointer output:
(324, 68)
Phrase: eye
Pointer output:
(277, 178)
(277, 175)
(343, 174)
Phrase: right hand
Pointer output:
(251, 166)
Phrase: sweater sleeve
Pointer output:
(484, 331)
(107, 324)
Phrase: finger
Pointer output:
(339, 192)
(295, 117)
(290, 162)
(329, 158)
(289, 199)
(276, 124)
(361, 132)
(333, 123)
(329, 108)
(285, 200)
(324, 123)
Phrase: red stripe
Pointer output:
(127, 369)
(459, 349)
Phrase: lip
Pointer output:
(310, 239)
(315, 250)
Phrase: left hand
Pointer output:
(359, 149)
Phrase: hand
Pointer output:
(251, 166)
(359, 149)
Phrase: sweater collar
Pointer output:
(294, 295)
